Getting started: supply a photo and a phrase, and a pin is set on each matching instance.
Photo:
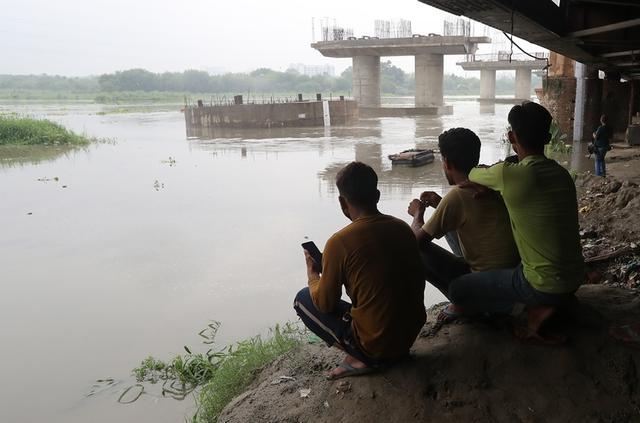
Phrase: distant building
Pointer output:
(313, 70)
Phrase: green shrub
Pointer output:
(218, 375)
(16, 130)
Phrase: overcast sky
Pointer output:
(83, 37)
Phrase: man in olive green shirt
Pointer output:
(541, 199)
(477, 229)
(376, 260)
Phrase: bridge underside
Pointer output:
(598, 34)
(601, 33)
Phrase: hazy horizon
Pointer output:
(75, 38)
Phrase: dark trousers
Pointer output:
(441, 267)
(601, 169)
(332, 328)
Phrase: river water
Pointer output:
(129, 247)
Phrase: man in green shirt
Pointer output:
(540, 196)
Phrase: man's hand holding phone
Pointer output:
(313, 259)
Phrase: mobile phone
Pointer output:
(314, 252)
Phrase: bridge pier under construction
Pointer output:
(429, 52)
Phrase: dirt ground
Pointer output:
(609, 213)
(623, 162)
(475, 371)
(470, 371)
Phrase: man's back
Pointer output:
(376, 257)
(541, 198)
(482, 225)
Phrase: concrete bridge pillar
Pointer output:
(487, 84)
(429, 80)
(366, 80)
(523, 84)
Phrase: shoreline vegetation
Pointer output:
(140, 85)
(216, 376)
(18, 130)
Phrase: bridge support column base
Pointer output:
(429, 80)
(366, 80)
(487, 84)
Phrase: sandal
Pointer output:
(349, 370)
(448, 315)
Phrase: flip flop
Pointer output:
(528, 336)
(628, 334)
(447, 315)
(349, 370)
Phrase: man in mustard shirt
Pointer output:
(376, 259)
(478, 229)
(540, 196)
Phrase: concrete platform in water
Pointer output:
(271, 115)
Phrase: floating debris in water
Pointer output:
(171, 161)
(158, 185)
(100, 386)
(55, 179)
(136, 391)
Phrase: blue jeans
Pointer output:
(600, 166)
(332, 328)
(499, 291)
(454, 242)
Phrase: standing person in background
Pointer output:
(602, 142)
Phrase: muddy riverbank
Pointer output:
(476, 371)
(472, 371)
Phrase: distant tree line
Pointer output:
(49, 83)
(393, 80)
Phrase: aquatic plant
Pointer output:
(18, 130)
(558, 138)
(221, 374)
(556, 144)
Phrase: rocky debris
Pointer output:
(609, 214)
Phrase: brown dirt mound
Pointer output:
(470, 371)
(610, 208)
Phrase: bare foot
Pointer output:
(348, 364)
(536, 316)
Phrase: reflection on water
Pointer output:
(12, 156)
(110, 270)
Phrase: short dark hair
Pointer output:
(358, 183)
(461, 148)
(530, 121)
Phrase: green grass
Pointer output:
(17, 130)
(218, 376)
